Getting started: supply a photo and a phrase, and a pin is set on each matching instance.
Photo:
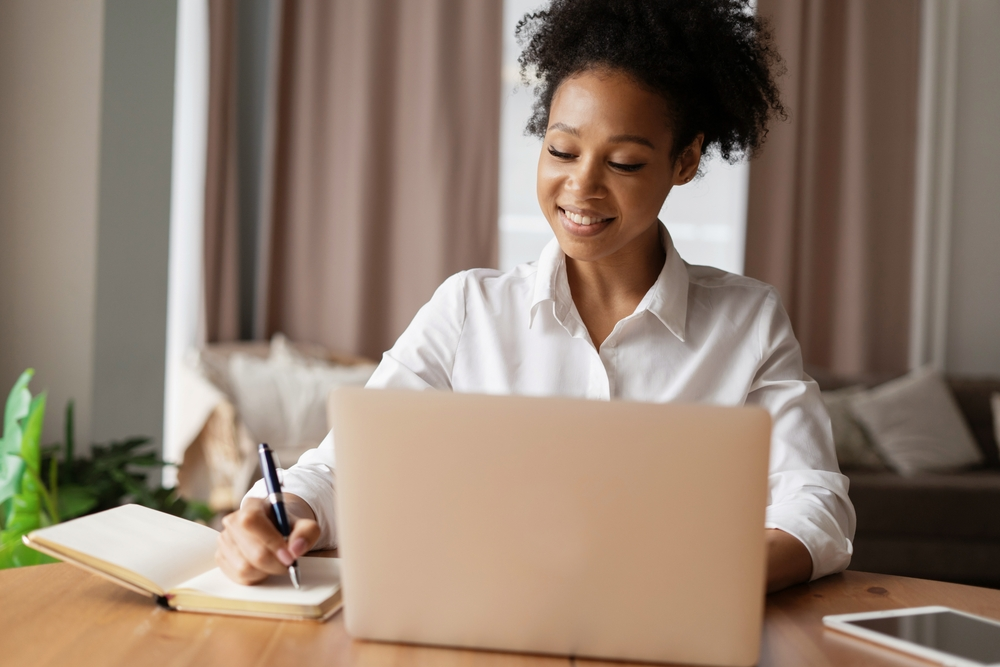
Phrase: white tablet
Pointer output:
(940, 634)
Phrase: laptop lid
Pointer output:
(616, 529)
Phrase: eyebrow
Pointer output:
(617, 139)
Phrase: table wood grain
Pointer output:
(60, 615)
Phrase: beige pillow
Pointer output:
(854, 449)
(916, 425)
(282, 398)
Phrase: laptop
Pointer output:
(618, 530)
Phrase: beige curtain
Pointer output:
(830, 214)
(221, 247)
(387, 151)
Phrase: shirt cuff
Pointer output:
(818, 530)
(314, 484)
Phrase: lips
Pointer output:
(582, 223)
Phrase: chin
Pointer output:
(582, 250)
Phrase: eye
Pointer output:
(627, 168)
(560, 155)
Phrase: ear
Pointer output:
(686, 165)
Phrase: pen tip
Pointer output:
(293, 572)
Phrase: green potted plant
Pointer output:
(40, 486)
(25, 503)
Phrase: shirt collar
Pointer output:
(666, 299)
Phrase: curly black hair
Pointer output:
(712, 60)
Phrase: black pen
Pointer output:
(277, 500)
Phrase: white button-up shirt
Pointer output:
(698, 335)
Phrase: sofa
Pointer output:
(252, 392)
(943, 526)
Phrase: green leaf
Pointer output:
(31, 438)
(14, 553)
(26, 514)
(25, 555)
(32, 507)
(25, 517)
(70, 431)
(11, 471)
(75, 500)
(11, 466)
(53, 484)
(18, 403)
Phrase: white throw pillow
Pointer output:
(916, 425)
(282, 399)
(854, 449)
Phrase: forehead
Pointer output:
(607, 102)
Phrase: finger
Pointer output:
(257, 506)
(305, 534)
(257, 540)
(234, 566)
(260, 545)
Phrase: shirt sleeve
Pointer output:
(422, 358)
(807, 494)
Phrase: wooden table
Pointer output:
(60, 615)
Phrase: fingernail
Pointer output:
(285, 557)
(299, 546)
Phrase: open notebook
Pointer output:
(173, 560)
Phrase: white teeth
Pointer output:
(581, 219)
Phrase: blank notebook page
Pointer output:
(320, 579)
(164, 549)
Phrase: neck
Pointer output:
(622, 278)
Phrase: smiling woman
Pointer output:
(632, 94)
(593, 176)
(628, 101)
(603, 175)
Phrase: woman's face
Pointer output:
(606, 167)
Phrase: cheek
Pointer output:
(644, 198)
(546, 182)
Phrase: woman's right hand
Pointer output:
(250, 546)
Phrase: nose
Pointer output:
(587, 178)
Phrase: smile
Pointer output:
(584, 220)
(583, 224)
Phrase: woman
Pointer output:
(632, 93)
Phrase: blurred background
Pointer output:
(214, 211)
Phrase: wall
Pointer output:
(133, 235)
(50, 85)
(973, 339)
(86, 116)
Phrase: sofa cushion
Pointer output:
(282, 399)
(973, 397)
(854, 450)
(933, 506)
(916, 425)
(971, 393)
